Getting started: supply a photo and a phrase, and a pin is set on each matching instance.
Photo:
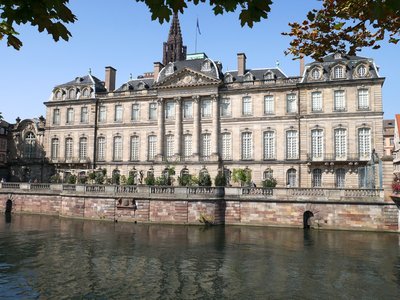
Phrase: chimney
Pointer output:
(241, 57)
(301, 64)
(110, 78)
(157, 68)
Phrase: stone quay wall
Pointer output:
(327, 208)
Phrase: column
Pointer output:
(196, 127)
(178, 127)
(215, 125)
(160, 129)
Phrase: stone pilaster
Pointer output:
(215, 126)
(161, 129)
(196, 127)
(178, 126)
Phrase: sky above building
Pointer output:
(121, 34)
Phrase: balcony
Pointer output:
(70, 160)
(333, 157)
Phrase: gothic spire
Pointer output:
(173, 49)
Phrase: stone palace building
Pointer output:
(320, 129)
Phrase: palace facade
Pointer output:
(320, 129)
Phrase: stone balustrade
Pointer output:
(245, 193)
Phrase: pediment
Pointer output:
(187, 78)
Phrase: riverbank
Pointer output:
(350, 209)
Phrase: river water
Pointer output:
(44, 257)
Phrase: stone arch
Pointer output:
(307, 215)
(9, 204)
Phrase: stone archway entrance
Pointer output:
(306, 219)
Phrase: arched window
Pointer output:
(151, 147)
(248, 77)
(291, 178)
(315, 73)
(269, 145)
(317, 178)
(226, 148)
(340, 176)
(206, 66)
(205, 146)
(169, 146)
(169, 69)
(68, 148)
(187, 146)
(55, 148)
(117, 148)
(30, 145)
(364, 143)
(86, 93)
(268, 174)
(317, 144)
(228, 78)
(71, 94)
(101, 148)
(362, 71)
(340, 143)
(83, 148)
(291, 144)
(338, 72)
(268, 75)
(58, 95)
(134, 148)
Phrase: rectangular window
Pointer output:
(339, 101)
(316, 101)
(363, 99)
(54, 148)
(364, 143)
(269, 145)
(153, 111)
(291, 144)
(118, 113)
(101, 147)
(187, 146)
(70, 115)
(169, 146)
(226, 146)
(83, 148)
(225, 107)
(134, 148)
(247, 145)
(206, 146)
(68, 149)
(151, 147)
(102, 114)
(188, 109)
(117, 148)
(291, 103)
(206, 108)
(269, 105)
(247, 107)
(84, 115)
(56, 116)
(135, 112)
(317, 144)
(362, 177)
(169, 110)
(340, 143)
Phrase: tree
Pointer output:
(343, 26)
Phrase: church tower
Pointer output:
(173, 49)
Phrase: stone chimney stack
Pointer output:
(301, 64)
(241, 57)
(157, 68)
(110, 78)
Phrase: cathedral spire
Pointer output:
(173, 49)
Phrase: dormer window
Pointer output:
(228, 78)
(362, 71)
(86, 93)
(338, 56)
(269, 75)
(58, 94)
(169, 69)
(140, 86)
(248, 77)
(71, 94)
(316, 73)
(338, 72)
(206, 66)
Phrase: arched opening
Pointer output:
(306, 219)
(8, 206)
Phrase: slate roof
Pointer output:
(257, 73)
(85, 81)
(134, 85)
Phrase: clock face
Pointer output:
(187, 79)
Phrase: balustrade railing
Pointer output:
(161, 190)
(40, 186)
(337, 157)
(257, 191)
(95, 188)
(125, 189)
(10, 185)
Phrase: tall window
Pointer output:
(226, 148)
(206, 108)
(187, 109)
(151, 147)
(317, 143)
(247, 145)
(291, 179)
(269, 145)
(68, 148)
(268, 174)
(135, 112)
(30, 145)
(134, 148)
(71, 94)
(206, 145)
(291, 103)
(102, 113)
(339, 100)
(118, 113)
(54, 148)
(291, 144)
(169, 110)
(317, 178)
(363, 99)
(247, 106)
(56, 116)
(84, 114)
(269, 104)
(340, 176)
(101, 148)
(364, 143)
(152, 111)
(82, 148)
(117, 148)
(187, 146)
(225, 107)
(70, 115)
(362, 177)
(169, 146)
(338, 72)
(316, 101)
(340, 143)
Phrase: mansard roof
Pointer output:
(136, 84)
(258, 74)
(85, 81)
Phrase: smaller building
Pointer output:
(4, 131)
(396, 151)
(388, 137)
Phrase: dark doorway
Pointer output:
(306, 219)
(8, 206)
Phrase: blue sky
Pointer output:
(121, 34)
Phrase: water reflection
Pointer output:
(60, 258)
